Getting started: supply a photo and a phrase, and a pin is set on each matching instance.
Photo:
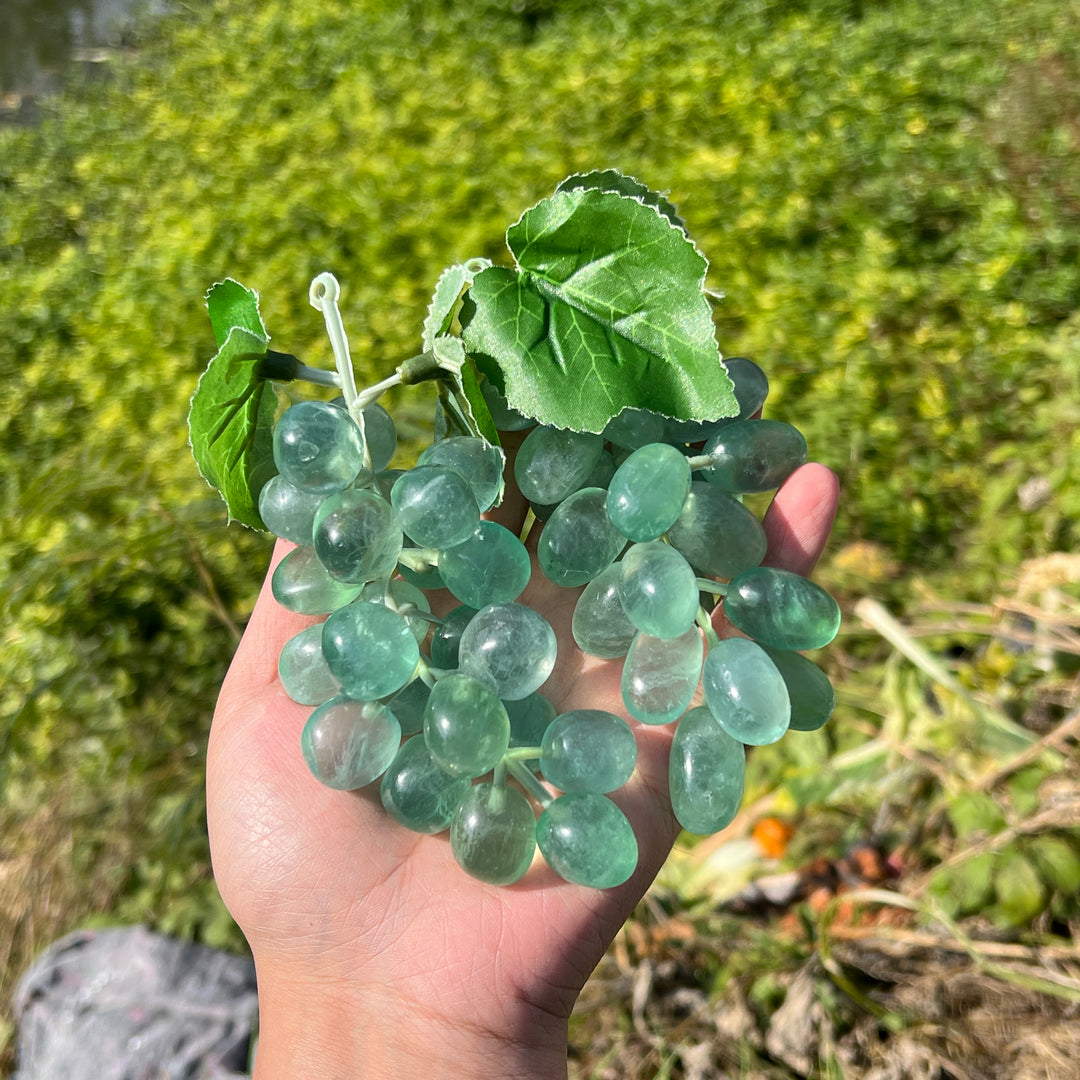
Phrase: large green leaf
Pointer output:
(606, 310)
(230, 424)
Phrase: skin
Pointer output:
(377, 957)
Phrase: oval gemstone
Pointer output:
(302, 584)
(660, 676)
(552, 463)
(812, 695)
(600, 626)
(493, 834)
(588, 750)
(511, 647)
(587, 840)
(418, 792)
(745, 692)
(356, 536)
(303, 671)
(648, 491)
(716, 534)
(578, 541)
(465, 726)
(782, 609)
(370, 649)
(706, 772)
(348, 744)
(490, 567)
(658, 590)
(754, 455)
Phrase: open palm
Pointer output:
(340, 902)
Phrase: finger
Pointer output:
(798, 522)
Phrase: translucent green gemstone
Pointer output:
(745, 692)
(408, 705)
(418, 792)
(588, 750)
(716, 534)
(782, 609)
(370, 649)
(754, 455)
(493, 834)
(552, 463)
(511, 647)
(706, 771)
(303, 670)
(660, 676)
(446, 637)
(302, 584)
(506, 419)
(356, 536)
(490, 567)
(658, 590)
(288, 511)
(602, 473)
(634, 428)
(530, 717)
(348, 744)
(317, 447)
(587, 840)
(812, 696)
(465, 726)
(600, 625)
(479, 462)
(578, 540)
(435, 506)
(648, 491)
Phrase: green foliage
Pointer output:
(605, 311)
(887, 194)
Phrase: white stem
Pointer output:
(323, 296)
(372, 393)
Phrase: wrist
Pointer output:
(323, 1032)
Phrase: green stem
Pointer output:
(714, 588)
(522, 753)
(527, 779)
(372, 393)
(701, 461)
(419, 559)
(704, 620)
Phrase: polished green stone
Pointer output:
(410, 602)
(348, 744)
(812, 695)
(493, 834)
(588, 750)
(648, 491)
(706, 770)
(288, 511)
(370, 650)
(586, 840)
(716, 534)
(435, 506)
(578, 541)
(356, 535)
(745, 692)
(418, 792)
(634, 428)
(782, 609)
(552, 463)
(490, 567)
(465, 725)
(530, 717)
(302, 668)
(600, 626)
(510, 647)
(317, 447)
(408, 705)
(480, 463)
(446, 637)
(660, 676)
(658, 590)
(754, 455)
(302, 584)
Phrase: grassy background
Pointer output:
(889, 195)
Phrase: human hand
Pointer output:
(376, 955)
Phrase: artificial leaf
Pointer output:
(621, 184)
(444, 300)
(230, 423)
(606, 310)
(230, 304)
